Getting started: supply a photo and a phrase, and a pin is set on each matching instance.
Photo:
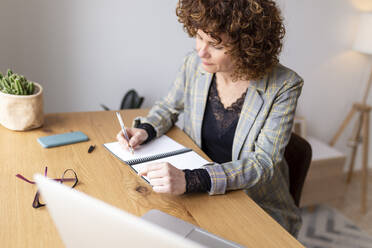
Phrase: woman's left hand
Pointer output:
(165, 178)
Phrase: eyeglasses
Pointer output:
(68, 178)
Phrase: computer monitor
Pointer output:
(83, 221)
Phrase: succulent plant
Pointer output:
(15, 84)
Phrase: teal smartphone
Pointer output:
(62, 139)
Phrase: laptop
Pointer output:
(83, 221)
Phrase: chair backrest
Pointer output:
(131, 100)
(298, 156)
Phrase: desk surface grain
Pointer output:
(233, 216)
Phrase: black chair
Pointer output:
(298, 156)
(131, 100)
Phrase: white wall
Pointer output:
(318, 46)
(87, 52)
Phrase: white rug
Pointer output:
(325, 227)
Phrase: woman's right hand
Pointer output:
(136, 137)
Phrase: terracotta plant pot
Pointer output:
(22, 112)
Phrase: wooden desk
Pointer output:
(233, 216)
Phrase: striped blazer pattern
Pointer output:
(261, 135)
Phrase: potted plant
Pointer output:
(21, 102)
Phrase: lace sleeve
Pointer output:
(197, 180)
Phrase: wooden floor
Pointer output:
(349, 203)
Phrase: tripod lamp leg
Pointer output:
(356, 138)
(365, 160)
(343, 126)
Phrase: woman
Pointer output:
(238, 104)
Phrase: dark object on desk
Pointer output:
(131, 100)
(62, 139)
(298, 155)
(91, 148)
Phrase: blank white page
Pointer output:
(159, 145)
(189, 160)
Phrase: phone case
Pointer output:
(62, 139)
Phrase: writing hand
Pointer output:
(165, 178)
(136, 137)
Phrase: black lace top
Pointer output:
(219, 124)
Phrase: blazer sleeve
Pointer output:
(164, 114)
(258, 166)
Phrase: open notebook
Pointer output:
(162, 149)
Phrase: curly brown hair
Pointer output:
(254, 28)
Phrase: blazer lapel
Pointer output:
(203, 83)
(252, 105)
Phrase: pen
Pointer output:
(91, 148)
(124, 131)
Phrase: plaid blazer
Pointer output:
(261, 135)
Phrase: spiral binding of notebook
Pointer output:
(157, 156)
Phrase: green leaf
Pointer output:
(31, 88)
(6, 83)
(19, 87)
